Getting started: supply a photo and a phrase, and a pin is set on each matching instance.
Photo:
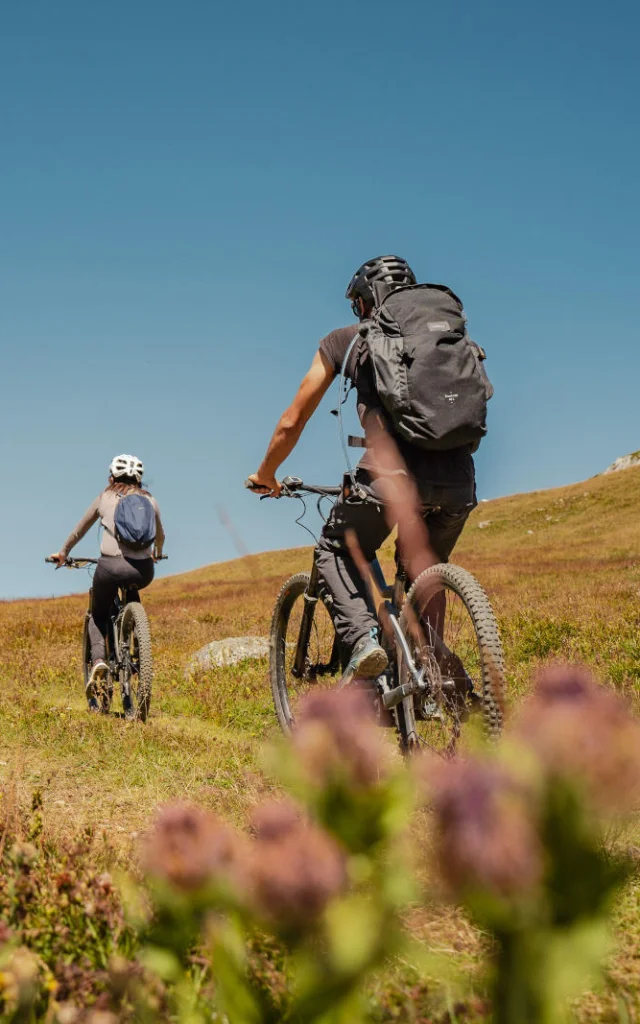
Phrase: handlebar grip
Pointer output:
(249, 484)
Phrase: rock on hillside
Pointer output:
(624, 462)
(229, 652)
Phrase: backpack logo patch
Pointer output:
(439, 325)
(451, 397)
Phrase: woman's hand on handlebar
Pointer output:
(58, 558)
(264, 485)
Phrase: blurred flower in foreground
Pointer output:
(190, 847)
(295, 867)
(337, 733)
(585, 732)
(486, 833)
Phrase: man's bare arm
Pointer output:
(292, 422)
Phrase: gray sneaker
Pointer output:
(98, 676)
(368, 660)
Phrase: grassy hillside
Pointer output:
(562, 568)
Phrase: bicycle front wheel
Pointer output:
(454, 641)
(304, 648)
(137, 668)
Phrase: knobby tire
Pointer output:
(293, 590)
(135, 623)
(478, 607)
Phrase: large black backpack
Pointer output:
(427, 372)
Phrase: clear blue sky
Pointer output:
(186, 188)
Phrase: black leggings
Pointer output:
(113, 572)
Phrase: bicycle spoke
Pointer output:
(317, 670)
(294, 670)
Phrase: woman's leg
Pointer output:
(111, 574)
(103, 592)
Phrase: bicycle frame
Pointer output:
(393, 598)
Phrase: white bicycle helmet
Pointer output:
(126, 465)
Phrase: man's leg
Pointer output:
(353, 614)
(445, 527)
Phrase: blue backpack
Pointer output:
(135, 521)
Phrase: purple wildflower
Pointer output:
(295, 868)
(586, 732)
(486, 827)
(190, 847)
(337, 732)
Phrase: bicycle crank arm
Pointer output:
(418, 681)
(392, 698)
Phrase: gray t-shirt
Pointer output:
(103, 508)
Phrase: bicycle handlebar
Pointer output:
(82, 563)
(293, 485)
(73, 563)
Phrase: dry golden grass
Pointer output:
(560, 566)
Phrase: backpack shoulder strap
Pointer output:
(343, 395)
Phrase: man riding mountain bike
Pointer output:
(437, 454)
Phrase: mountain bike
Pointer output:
(446, 666)
(128, 646)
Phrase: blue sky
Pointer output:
(187, 188)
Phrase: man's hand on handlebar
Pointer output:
(266, 486)
(58, 558)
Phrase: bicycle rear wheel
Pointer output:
(317, 651)
(454, 641)
(137, 667)
(104, 694)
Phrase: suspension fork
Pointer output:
(310, 598)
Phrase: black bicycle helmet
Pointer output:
(391, 270)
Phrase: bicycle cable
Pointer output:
(342, 397)
(299, 521)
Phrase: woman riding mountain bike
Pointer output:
(132, 541)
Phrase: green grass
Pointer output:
(562, 568)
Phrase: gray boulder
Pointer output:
(624, 462)
(229, 652)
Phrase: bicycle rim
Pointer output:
(454, 640)
(321, 663)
